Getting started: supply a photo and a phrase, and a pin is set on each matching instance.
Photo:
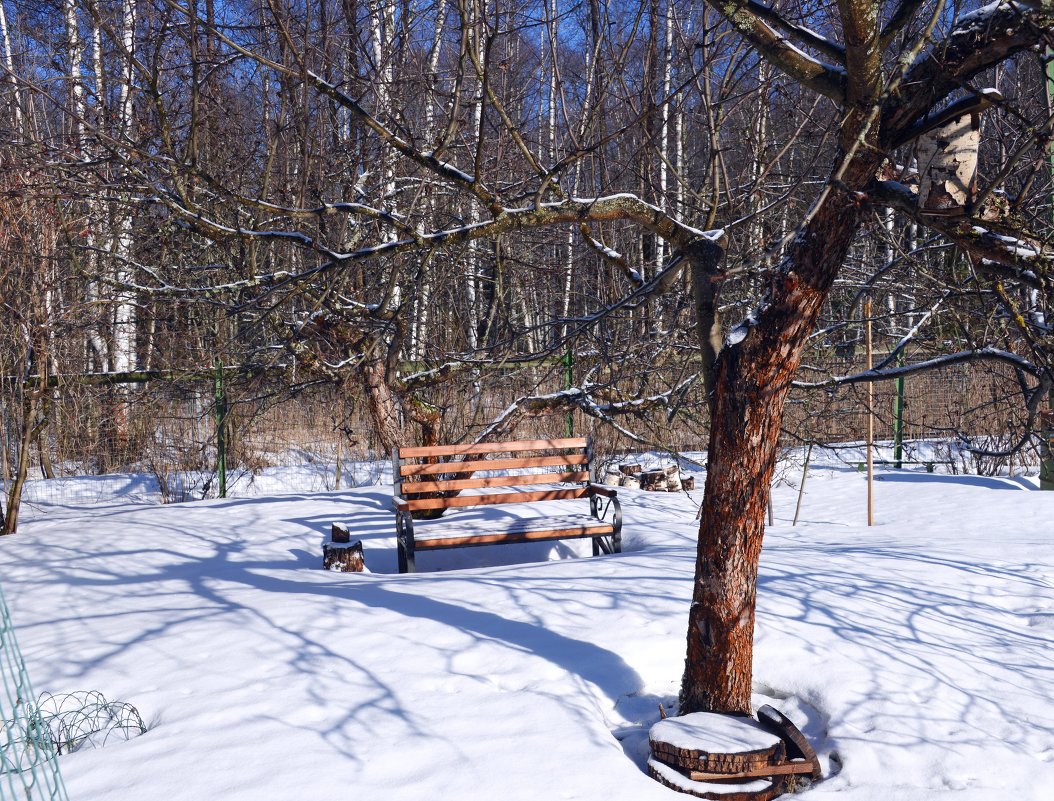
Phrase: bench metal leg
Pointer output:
(407, 560)
(404, 528)
(603, 544)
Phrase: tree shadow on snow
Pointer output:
(185, 577)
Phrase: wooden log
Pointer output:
(688, 483)
(653, 481)
(786, 769)
(715, 743)
(630, 482)
(343, 557)
(613, 478)
(748, 790)
(339, 533)
(630, 469)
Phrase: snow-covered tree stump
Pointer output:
(340, 554)
(729, 757)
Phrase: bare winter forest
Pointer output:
(261, 229)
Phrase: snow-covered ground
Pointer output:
(918, 655)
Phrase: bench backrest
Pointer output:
(426, 481)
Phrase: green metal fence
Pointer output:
(29, 768)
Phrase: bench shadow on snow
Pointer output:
(373, 521)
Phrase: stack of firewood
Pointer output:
(633, 476)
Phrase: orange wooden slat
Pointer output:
(504, 497)
(418, 487)
(492, 464)
(493, 447)
(524, 536)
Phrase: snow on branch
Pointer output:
(1028, 259)
(580, 398)
(804, 35)
(976, 42)
(435, 375)
(622, 206)
(948, 360)
(777, 49)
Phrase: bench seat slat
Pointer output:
(493, 447)
(491, 532)
(501, 497)
(418, 487)
(571, 459)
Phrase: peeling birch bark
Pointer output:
(948, 165)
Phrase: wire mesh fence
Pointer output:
(175, 441)
(29, 768)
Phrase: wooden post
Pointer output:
(870, 417)
(801, 488)
(336, 483)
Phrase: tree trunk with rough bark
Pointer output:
(753, 378)
(382, 405)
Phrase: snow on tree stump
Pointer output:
(340, 554)
(730, 757)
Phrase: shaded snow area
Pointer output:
(917, 655)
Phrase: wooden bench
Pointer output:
(432, 478)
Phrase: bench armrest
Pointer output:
(600, 489)
(400, 504)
